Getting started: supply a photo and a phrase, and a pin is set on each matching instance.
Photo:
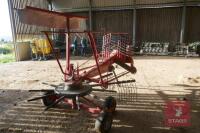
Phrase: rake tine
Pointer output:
(129, 91)
(49, 84)
(116, 77)
(136, 96)
(37, 98)
(103, 90)
(124, 91)
(40, 90)
(53, 104)
(133, 92)
(120, 92)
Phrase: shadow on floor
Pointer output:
(134, 115)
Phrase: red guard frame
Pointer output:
(95, 73)
(63, 21)
(68, 70)
(95, 70)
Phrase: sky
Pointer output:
(5, 26)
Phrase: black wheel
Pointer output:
(110, 104)
(103, 123)
(48, 100)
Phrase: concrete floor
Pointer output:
(158, 80)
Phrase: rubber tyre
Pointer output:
(104, 122)
(110, 104)
(48, 100)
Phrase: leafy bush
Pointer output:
(7, 58)
(6, 49)
(6, 53)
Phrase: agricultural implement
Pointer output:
(79, 82)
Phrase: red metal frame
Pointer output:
(88, 73)
(67, 15)
(93, 110)
(95, 73)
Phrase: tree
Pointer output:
(2, 40)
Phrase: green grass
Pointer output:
(6, 53)
(7, 58)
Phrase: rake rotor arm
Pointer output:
(41, 97)
(56, 102)
(95, 53)
(112, 83)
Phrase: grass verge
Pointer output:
(5, 58)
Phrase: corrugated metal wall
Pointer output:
(112, 3)
(98, 4)
(192, 24)
(24, 31)
(152, 24)
(86, 14)
(113, 21)
(158, 25)
(139, 2)
(69, 4)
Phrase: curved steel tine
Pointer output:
(37, 98)
(50, 84)
(53, 104)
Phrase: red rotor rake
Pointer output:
(79, 81)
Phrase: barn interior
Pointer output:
(163, 38)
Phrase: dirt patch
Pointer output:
(158, 80)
